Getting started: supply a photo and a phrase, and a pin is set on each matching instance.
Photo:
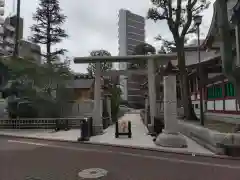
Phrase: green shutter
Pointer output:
(213, 92)
(221, 92)
(234, 90)
(210, 92)
(229, 89)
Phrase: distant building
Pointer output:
(30, 50)
(82, 89)
(7, 32)
(8, 37)
(7, 42)
(13, 22)
(131, 33)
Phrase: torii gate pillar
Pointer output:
(97, 116)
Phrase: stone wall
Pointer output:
(208, 138)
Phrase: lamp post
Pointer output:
(15, 53)
(198, 21)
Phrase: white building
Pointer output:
(7, 31)
(2, 5)
(131, 32)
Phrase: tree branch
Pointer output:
(189, 17)
(178, 13)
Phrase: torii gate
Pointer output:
(163, 60)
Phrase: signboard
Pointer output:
(123, 127)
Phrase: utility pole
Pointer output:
(198, 21)
(15, 53)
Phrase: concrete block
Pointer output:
(173, 140)
(207, 136)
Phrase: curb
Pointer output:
(204, 144)
(128, 146)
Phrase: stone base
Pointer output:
(168, 139)
(97, 130)
(150, 128)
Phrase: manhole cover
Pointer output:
(92, 173)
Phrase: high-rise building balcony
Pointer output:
(2, 51)
(1, 40)
(133, 84)
(2, 3)
(1, 30)
(136, 91)
(9, 49)
(2, 11)
(1, 20)
(135, 97)
(9, 40)
(9, 27)
(1, 48)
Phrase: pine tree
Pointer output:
(47, 30)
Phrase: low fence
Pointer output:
(72, 113)
(38, 123)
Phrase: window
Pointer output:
(196, 106)
(229, 89)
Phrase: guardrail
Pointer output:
(38, 123)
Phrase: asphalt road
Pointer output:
(22, 159)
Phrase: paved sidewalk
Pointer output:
(140, 138)
(71, 135)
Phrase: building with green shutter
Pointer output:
(220, 94)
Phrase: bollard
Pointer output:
(85, 134)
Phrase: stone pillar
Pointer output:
(170, 104)
(101, 105)
(170, 136)
(146, 109)
(97, 115)
(109, 108)
(151, 92)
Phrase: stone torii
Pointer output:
(163, 59)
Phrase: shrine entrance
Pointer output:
(169, 84)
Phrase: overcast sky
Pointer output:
(92, 24)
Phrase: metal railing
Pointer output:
(38, 123)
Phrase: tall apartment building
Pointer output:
(13, 22)
(2, 22)
(8, 37)
(30, 50)
(131, 32)
(7, 31)
(26, 48)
